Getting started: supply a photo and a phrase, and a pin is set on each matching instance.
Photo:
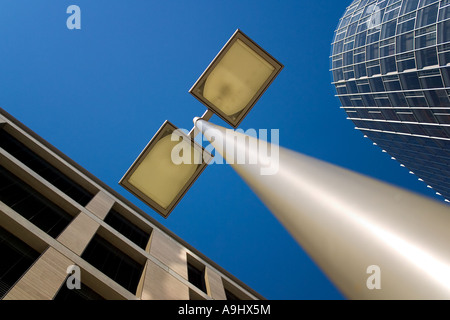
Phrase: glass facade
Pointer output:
(390, 61)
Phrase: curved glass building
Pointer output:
(390, 62)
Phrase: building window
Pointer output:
(444, 31)
(426, 40)
(426, 58)
(360, 70)
(406, 64)
(405, 42)
(410, 81)
(31, 205)
(233, 293)
(17, 257)
(84, 293)
(397, 99)
(443, 118)
(437, 98)
(427, 15)
(196, 275)
(376, 84)
(444, 58)
(388, 65)
(392, 84)
(424, 116)
(114, 263)
(408, 6)
(43, 168)
(230, 296)
(388, 29)
(128, 229)
(431, 82)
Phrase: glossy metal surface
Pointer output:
(348, 222)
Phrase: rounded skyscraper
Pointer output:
(390, 62)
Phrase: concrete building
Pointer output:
(56, 219)
(390, 62)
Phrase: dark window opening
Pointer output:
(194, 295)
(43, 168)
(84, 293)
(17, 257)
(128, 229)
(34, 207)
(230, 296)
(431, 82)
(410, 81)
(196, 277)
(427, 15)
(114, 263)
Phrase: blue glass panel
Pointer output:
(427, 15)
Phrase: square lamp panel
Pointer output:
(166, 169)
(236, 79)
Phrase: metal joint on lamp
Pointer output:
(155, 179)
(236, 79)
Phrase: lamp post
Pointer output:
(349, 224)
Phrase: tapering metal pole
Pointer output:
(373, 240)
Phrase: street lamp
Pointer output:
(162, 174)
(236, 79)
(229, 87)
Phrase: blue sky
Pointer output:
(100, 93)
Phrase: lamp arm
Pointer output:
(206, 116)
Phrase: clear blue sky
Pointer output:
(100, 93)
